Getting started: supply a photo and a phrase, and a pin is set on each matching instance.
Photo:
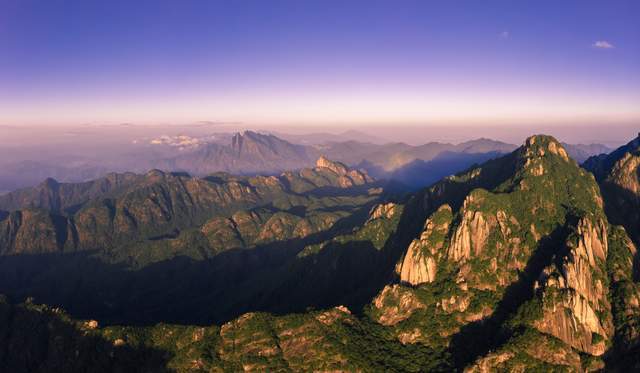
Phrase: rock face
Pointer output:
(420, 261)
(395, 304)
(32, 231)
(575, 299)
(470, 237)
(385, 210)
(336, 167)
(347, 176)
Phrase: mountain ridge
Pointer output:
(266, 153)
(513, 264)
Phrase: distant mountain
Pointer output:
(415, 166)
(248, 153)
(391, 156)
(255, 153)
(27, 173)
(320, 138)
(581, 152)
(251, 153)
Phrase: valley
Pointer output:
(515, 263)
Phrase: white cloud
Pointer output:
(602, 44)
(180, 141)
(504, 35)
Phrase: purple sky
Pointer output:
(334, 63)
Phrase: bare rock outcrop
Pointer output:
(329, 317)
(539, 348)
(490, 363)
(346, 176)
(337, 167)
(534, 151)
(395, 304)
(575, 304)
(470, 237)
(420, 261)
(383, 210)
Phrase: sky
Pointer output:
(310, 63)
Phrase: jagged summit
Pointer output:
(540, 138)
(240, 139)
(539, 145)
(337, 167)
(541, 153)
(346, 176)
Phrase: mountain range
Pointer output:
(524, 261)
(253, 153)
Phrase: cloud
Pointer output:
(602, 44)
(180, 141)
(504, 35)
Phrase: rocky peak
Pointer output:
(238, 140)
(337, 167)
(539, 145)
(537, 151)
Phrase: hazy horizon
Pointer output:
(124, 133)
(93, 87)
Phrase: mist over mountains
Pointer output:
(253, 153)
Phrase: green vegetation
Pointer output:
(268, 259)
